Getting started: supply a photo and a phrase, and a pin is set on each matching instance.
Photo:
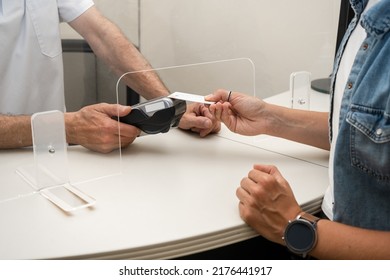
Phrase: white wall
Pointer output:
(280, 36)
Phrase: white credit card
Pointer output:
(190, 97)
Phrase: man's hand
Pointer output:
(95, 128)
(198, 119)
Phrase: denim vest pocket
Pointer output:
(45, 19)
(370, 141)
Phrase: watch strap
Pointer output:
(308, 217)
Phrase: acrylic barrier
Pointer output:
(203, 78)
(186, 84)
(56, 170)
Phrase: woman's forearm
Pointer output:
(307, 127)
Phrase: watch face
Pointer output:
(300, 236)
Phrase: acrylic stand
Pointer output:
(300, 90)
(49, 173)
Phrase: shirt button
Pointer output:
(379, 131)
(349, 85)
(365, 46)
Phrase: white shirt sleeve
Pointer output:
(71, 9)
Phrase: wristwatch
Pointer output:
(300, 234)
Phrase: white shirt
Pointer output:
(31, 56)
(356, 39)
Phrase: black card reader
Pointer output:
(157, 115)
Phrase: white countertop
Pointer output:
(175, 196)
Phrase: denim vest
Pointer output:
(362, 151)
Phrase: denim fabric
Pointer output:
(362, 152)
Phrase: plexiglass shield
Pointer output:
(66, 173)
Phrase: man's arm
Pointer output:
(91, 127)
(109, 43)
(15, 131)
